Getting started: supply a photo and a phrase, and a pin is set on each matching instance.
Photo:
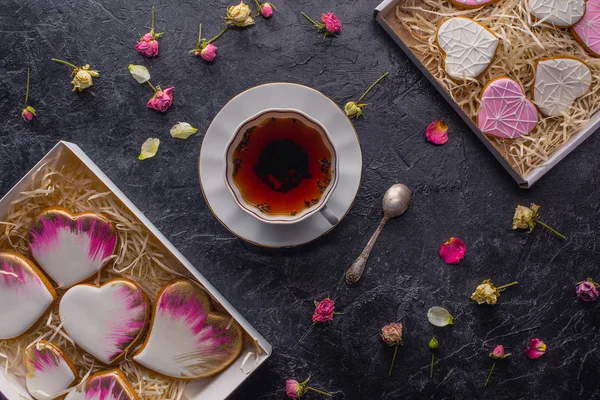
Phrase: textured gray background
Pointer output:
(459, 189)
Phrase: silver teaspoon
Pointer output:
(395, 202)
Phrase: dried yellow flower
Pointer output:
(239, 15)
(353, 109)
(525, 217)
(486, 293)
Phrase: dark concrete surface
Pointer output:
(459, 189)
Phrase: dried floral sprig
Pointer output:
(354, 109)
(528, 217)
(27, 112)
(497, 354)
(239, 15)
(162, 99)
(587, 290)
(295, 389)
(536, 349)
(391, 334)
(83, 75)
(437, 132)
(264, 9)
(205, 48)
(453, 250)
(486, 292)
(324, 312)
(148, 45)
(330, 24)
(433, 346)
(149, 148)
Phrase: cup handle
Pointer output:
(329, 216)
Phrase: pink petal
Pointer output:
(437, 132)
(453, 250)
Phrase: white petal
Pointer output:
(149, 148)
(139, 73)
(182, 130)
(439, 316)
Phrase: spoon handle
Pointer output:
(357, 268)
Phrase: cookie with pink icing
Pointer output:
(25, 294)
(187, 339)
(71, 248)
(587, 30)
(504, 111)
(468, 4)
(105, 321)
(49, 371)
(105, 385)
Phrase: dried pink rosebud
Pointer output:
(332, 23)
(391, 334)
(324, 310)
(453, 250)
(293, 389)
(266, 10)
(208, 53)
(27, 113)
(148, 45)
(536, 348)
(498, 353)
(437, 132)
(162, 100)
(587, 290)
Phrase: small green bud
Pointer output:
(433, 343)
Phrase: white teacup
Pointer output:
(253, 209)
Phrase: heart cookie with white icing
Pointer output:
(587, 30)
(25, 294)
(71, 248)
(468, 4)
(49, 370)
(105, 321)
(187, 339)
(105, 385)
(560, 13)
(558, 82)
(504, 111)
(467, 46)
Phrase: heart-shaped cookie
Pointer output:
(558, 82)
(467, 46)
(187, 339)
(105, 385)
(49, 370)
(560, 13)
(471, 3)
(25, 294)
(504, 111)
(105, 321)
(587, 30)
(71, 248)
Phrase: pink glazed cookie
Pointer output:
(105, 385)
(504, 111)
(49, 371)
(587, 30)
(471, 3)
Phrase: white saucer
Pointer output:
(222, 128)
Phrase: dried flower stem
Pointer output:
(393, 360)
(219, 35)
(372, 86)
(27, 87)
(432, 360)
(551, 229)
(315, 23)
(152, 26)
(65, 63)
(319, 391)
(490, 374)
(503, 287)
(152, 86)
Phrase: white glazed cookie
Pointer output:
(25, 294)
(105, 321)
(561, 13)
(105, 385)
(558, 82)
(468, 47)
(71, 248)
(49, 370)
(187, 339)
